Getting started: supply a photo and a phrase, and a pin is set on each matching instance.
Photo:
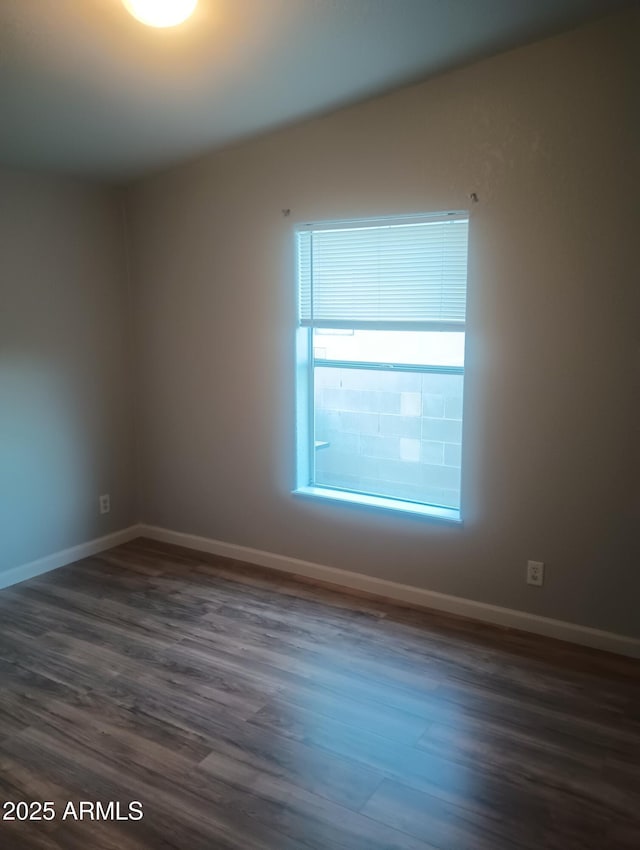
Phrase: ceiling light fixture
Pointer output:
(160, 13)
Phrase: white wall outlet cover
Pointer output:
(535, 573)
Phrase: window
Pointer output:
(380, 361)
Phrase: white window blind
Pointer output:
(394, 272)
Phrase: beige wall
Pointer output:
(65, 414)
(544, 136)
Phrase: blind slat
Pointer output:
(413, 272)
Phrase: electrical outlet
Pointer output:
(535, 573)
(105, 503)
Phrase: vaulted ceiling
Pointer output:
(86, 89)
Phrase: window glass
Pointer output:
(389, 434)
(417, 348)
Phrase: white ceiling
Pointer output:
(86, 89)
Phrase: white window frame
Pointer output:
(306, 362)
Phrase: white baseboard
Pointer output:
(67, 556)
(559, 629)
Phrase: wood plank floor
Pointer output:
(246, 710)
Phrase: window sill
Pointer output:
(380, 502)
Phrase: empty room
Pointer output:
(319, 425)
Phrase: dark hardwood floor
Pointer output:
(246, 710)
